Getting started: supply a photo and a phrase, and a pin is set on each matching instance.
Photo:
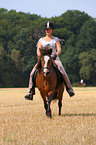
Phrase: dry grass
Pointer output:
(24, 122)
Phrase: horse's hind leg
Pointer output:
(60, 105)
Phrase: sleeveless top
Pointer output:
(50, 44)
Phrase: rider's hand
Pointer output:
(54, 56)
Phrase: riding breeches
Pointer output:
(30, 80)
(64, 74)
(61, 69)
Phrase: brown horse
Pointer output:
(49, 83)
(79, 84)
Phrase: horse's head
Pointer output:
(46, 63)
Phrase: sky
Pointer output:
(50, 8)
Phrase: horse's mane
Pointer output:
(43, 51)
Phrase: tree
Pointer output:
(20, 32)
(71, 64)
(15, 55)
(74, 20)
(87, 37)
(88, 66)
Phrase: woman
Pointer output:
(52, 42)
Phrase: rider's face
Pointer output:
(48, 31)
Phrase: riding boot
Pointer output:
(31, 89)
(29, 95)
(68, 85)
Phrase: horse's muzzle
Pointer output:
(46, 72)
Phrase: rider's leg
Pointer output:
(31, 89)
(66, 79)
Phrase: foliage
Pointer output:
(19, 34)
(88, 65)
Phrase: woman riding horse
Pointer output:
(52, 42)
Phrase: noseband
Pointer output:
(46, 68)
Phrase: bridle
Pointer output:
(46, 70)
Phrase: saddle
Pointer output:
(59, 76)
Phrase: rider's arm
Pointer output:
(39, 46)
(58, 46)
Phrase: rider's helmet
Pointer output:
(49, 25)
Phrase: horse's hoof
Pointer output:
(49, 114)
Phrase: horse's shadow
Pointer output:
(79, 114)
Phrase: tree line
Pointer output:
(19, 34)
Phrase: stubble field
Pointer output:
(24, 122)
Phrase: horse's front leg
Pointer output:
(43, 94)
(50, 96)
(49, 110)
(45, 105)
